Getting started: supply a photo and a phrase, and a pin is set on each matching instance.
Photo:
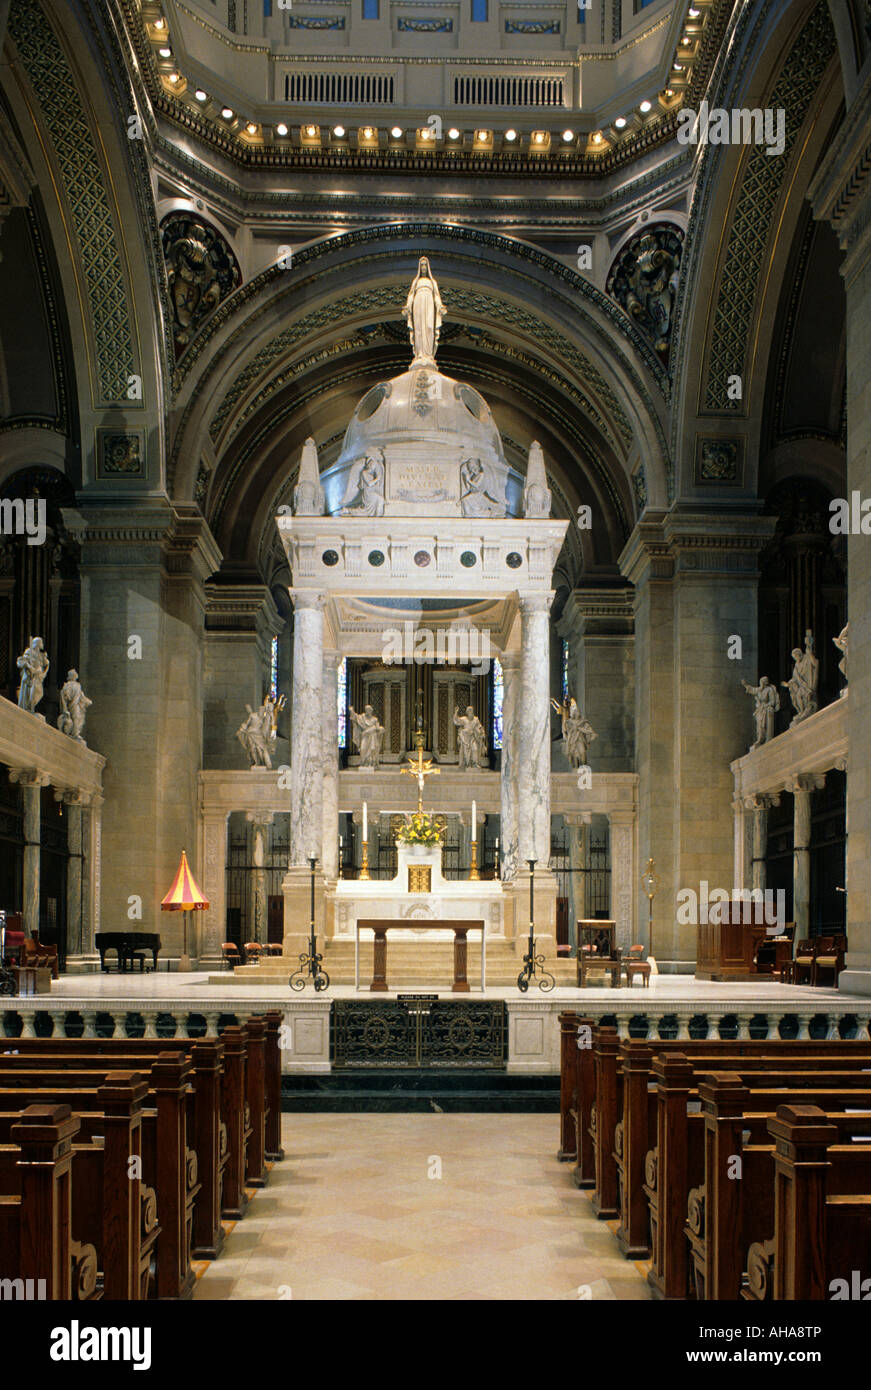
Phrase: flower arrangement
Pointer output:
(421, 829)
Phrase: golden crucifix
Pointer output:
(421, 768)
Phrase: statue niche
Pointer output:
(201, 271)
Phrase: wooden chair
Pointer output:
(803, 963)
(829, 956)
(36, 953)
(230, 955)
(274, 948)
(253, 951)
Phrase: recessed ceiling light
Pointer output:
(165, 52)
(426, 133)
(453, 133)
(160, 24)
(694, 14)
(396, 132)
(620, 122)
(597, 137)
(173, 77)
(645, 106)
(227, 113)
(201, 95)
(483, 136)
(338, 131)
(368, 132)
(668, 92)
(678, 67)
(568, 136)
(281, 129)
(538, 137)
(251, 128)
(685, 39)
(511, 135)
(311, 131)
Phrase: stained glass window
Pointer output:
(343, 703)
(273, 670)
(498, 695)
(565, 670)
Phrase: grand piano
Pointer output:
(129, 946)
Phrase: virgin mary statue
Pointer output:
(424, 313)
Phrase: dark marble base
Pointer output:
(408, 1091)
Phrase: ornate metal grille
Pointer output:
(392, 1034)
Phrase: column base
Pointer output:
(296, 889)
(855, 982)
(86, 963)
(545, 911)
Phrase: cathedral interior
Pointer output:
(482, 387)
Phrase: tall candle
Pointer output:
(365, 823)
(474, 820)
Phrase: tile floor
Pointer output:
(353, 1213)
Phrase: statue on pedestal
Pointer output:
(802, 684)
(767, 705)
(366, 482)
(369, 736)
(73, 705)
(578, 733)
(259, 732)
(842, 642)
(478, 490)
(424, 313)
(471, 740)
(33, 665)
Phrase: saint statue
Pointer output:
(33, 665)
(366, 482)
(259, 732)
(767, 705)
(578, 733)
(471, 740)
(73, 705)
(369, 736)
(478, 490)
(424, 312)
(841, 642)
(802, 684)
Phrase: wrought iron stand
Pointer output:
(533, 964)
(310, 962)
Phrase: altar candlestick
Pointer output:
(474, 819)
(365, 822)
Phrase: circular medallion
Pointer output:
(330, 557)
(422, 558)
(468, 559)
(376, 557)
(513, 560)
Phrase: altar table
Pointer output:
(459, 926)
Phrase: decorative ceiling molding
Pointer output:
(86, 192)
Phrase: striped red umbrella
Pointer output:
(184, 895)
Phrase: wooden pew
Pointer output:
(821, 1232)
(676, 1165)
(169, 1166)
(726, 1211)
(35, 1225)
(113, 1211)
(568, 1145)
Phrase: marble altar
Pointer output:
(351, 899)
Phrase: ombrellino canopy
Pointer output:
(184, 895)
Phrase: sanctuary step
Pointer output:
(408, 963)
(403, 1090)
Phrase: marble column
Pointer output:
(743, 843)
(31, 785)
(578, 827)
(760, 805)
(306, 810)
(508, 782)
(532, 759)
(211, 925)
(72, 804)
(260, 820)
(801, 789)
(330, 793)
(622, 828)
(92, 896)
(307, 772)
(533, 751)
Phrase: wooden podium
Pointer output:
(727, 948)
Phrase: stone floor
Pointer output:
(356, 1211)
(664, 989)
